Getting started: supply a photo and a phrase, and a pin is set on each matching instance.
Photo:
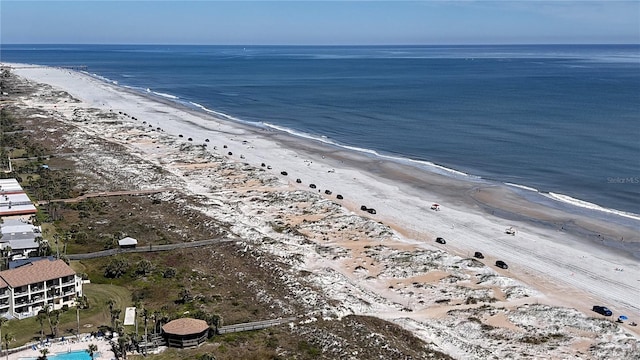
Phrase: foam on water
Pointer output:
(522, 187)
(418, 163)
(587, 205)
(402, 103)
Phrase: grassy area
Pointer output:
(223, 283)
(96, 315)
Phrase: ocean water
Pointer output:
(559, 123)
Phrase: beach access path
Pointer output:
(569, 268)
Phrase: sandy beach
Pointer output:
(559, 263)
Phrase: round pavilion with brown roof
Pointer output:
(185, 332)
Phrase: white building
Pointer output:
(13, 200)
(21, 236)
(27, 289)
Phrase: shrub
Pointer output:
(116, 268)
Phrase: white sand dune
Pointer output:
(547, 264)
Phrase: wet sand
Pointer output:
(571, 257)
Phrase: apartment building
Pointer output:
(27, 289)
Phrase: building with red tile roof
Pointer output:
(39, 283)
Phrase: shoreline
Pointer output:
(571, 206)
(571, 218)
(520, 195)
(553, 252)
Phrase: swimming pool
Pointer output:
(74, 355)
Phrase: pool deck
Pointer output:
(104, 349)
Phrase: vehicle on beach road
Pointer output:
(440, 240)
(603, 310)
(501, 264)
(478, 255)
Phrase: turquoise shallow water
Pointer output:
(561, 120)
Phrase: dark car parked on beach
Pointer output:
(501, 264)
(478, 255)
(603, 310)
(440, 240)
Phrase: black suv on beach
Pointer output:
(603, 310)
(501, 264)
(440, 240)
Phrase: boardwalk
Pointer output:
(150, 248)
(105, 194)
(256, 325)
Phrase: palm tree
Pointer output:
(112, 309)
(8, 337)
(47, 310)
(40, 318)
(92, 349)
(115, 317)
(145, 314)
(77, 301)
(42, 246)
(6, 255)
(44, 353)
(55, 320)
(3, 321)
(123, 342)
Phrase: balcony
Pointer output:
(69, 291)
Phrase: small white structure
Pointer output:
(130, 316)
(128, 242)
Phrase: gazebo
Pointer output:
(185, 332)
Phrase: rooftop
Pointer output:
(127, 241)
(36, 271)
(20, 242)
(10, 185)
(185, 326)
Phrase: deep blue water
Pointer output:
(560, 119)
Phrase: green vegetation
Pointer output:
(219, 284)
(91, 319)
